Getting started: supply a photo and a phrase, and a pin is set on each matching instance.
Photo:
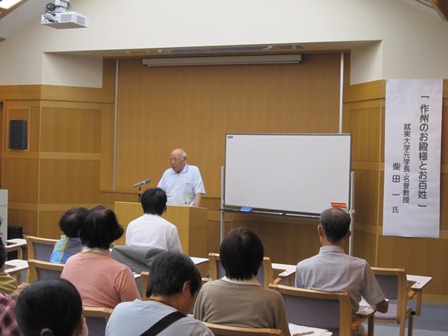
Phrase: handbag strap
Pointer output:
(163, 323)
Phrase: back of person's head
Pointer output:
(2, 250)
(100, 228)
(335, 223)
(169, 271)
(241, 254)
(71, 221)
(2, 253)
(49, 307)
(154, 201)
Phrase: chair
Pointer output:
(144, 278)
(40, 248)
(96, 319)
(394, 285)
(139, 260)
(264, 276)
(222, 330)
(39, 270)
(325, 310)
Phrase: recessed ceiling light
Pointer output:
(6, 4)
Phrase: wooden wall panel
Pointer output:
(365, 124)
(421, 256)
(417, 255)
(107, 179)
(69, 181)
(445, 130)
(26, 219)
(2, 137)
(48, 224)
(20, 177)
(70, 130)
(61, 168)
(285, 240)
(193, 107)
(365, 245)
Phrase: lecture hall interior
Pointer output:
(98, 120)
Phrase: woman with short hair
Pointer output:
(101, 280)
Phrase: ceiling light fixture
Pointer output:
(222, 60)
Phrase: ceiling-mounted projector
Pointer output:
(65, 20)
(57, 15)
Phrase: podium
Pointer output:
(191, 224)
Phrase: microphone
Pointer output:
(142, 183)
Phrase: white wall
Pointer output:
(413, 39)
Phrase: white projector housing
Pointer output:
(64, 20)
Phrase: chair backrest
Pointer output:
(96, 319)
(40, 248)
(326, 310)
(222, 330)
(145, 279)
(264, 276)
(393, 282)
(39, 270)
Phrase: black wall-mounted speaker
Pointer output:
(18, 134)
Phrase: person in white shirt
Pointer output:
(182, 182)
(151, 229)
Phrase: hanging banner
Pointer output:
(412, 158)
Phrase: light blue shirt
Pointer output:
(181, 187)
(332, 270)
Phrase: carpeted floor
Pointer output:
(432, 322)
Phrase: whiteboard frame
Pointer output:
(294, 201)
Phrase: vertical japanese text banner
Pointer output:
(412, 158)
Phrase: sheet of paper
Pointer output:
(302, 330)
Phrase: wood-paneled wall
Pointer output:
(364, 115)
(60, 168)
(71, 154)
(194, 107)
(160, 109)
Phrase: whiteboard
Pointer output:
(302, 173)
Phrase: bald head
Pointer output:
(178, 159)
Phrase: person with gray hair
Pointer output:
(182, 182)
(332, 270)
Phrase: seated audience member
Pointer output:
(332, 270)
(151, 229)
(101, 281)
(172, 290)
(50, 307)
(8, 323)
(8, 284)
(70, 223)
(238, 299)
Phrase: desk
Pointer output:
(419, 282)
(295, 329)
(197, 261)
(15, 267)
(287, 272)
(16, 244)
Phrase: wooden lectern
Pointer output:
(191, 223)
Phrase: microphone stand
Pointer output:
(139, 185)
